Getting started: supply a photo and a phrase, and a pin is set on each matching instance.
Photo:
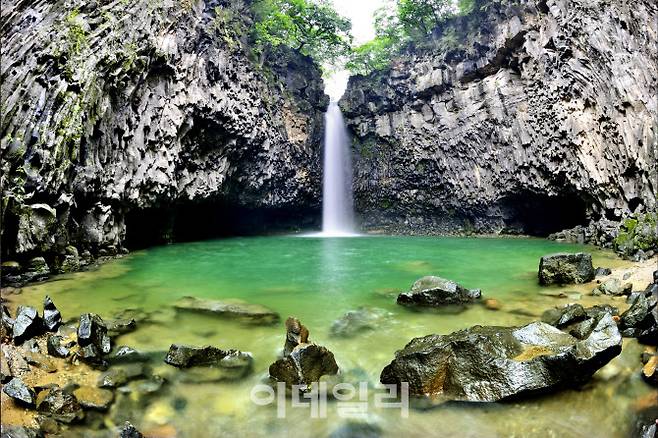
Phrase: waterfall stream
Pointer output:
(337, 199)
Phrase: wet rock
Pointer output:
(144, 387)
(564, 268)
(93, 332)
(56, 347)
(433, 291)
(62, 406)
(27, 324)
(94, 398)
(129, 431)
(234, 309)
(602, 272)
(562, 316)
(357, 429)
(19, 391)
(356, 321)
(125, 354)
(12, 431)
(496, 363)
(232, 362)
(613, 286)
(233, 366)
(91, 355)
(120, 374)
(296, 334)
(304, 364)
(52, 319)
(117, 327)
(641, 319)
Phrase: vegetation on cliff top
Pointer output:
(400, 23)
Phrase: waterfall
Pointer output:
(337, 200)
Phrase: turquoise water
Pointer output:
(318, 280)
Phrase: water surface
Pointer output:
(318, 280)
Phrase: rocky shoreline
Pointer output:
(70, 375)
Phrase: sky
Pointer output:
(361, 13)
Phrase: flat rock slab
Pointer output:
(487, 364)
(245, 312)
(230, 364)
(90, 397)
(566, 268)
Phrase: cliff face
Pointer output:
(121, 119)
(524, 116)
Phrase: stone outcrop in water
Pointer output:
(566, 268)
(122, 120)
(233, 309)
(641, 319)
(524, 116)
(488, 364)
(305, 362)
(433, 291)
(357, 321)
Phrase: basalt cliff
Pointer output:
(134, 123)
(524, 116)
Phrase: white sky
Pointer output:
(361, 13)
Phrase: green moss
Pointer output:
(637, 233)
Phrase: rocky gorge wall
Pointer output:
(133, 123)
(523, 116)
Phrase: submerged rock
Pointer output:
(52, 319)
(234, 362)
(93, 332)
(60, 405)
(433, 291)
(12, 431)
(494, 363)
(27, 324)
(19, 391)
(613, 286)
(565, 268)
(650, 369)
(238, 309)
(90, 397)
(117, 327)
(602, 272)
(302, 362)
(357, 321)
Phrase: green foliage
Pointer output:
(638, 232)
(311, 26)
(402, 22)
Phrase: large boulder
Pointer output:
(486, 364)
(27, 324)
(305, 362)
(222, 364)
(245, 312)
(565, 268)
(434, 291)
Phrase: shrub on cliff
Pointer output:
(637, 233)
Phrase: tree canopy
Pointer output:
(311, 26)
(400, 22)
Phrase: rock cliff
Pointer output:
(138, 122)
(523, 116)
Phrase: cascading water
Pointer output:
(337, 200)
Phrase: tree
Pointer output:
(421, 17)
(311, 26)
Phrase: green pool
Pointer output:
(317, 280)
